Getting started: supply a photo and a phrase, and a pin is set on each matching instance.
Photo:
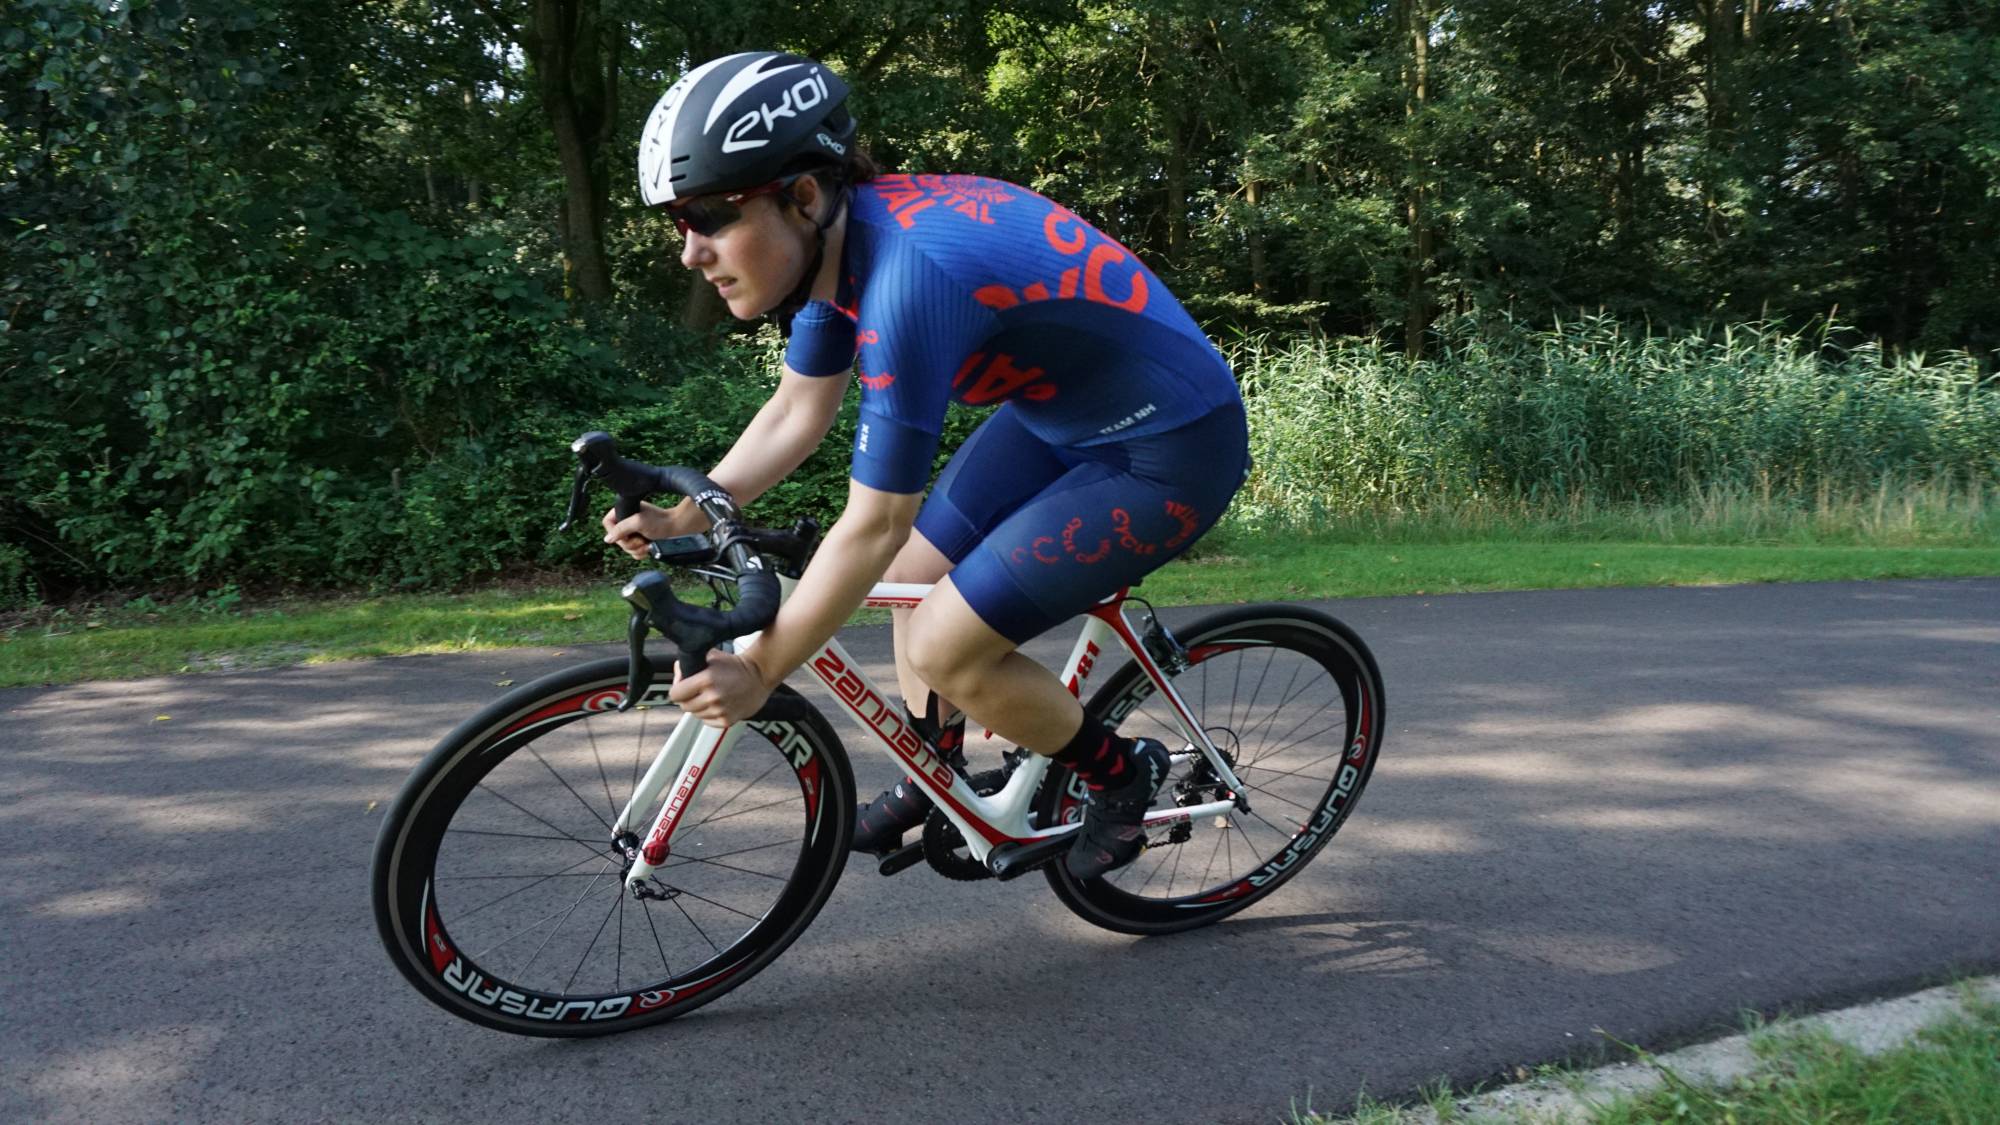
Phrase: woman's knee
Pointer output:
(951, 651)
(918, 561)
(932, 655)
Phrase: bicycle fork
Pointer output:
(691, 753)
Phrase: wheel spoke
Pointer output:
(731, 867)
(535, 895)
(736, 852)
(616, 902)
(732, 797)
(665, 964)
(696, 925)
(564, 782)
(1269, 718)
(532, 926)
(1285, 699)
(740, 812)
(515, 836)
(510, 894)
(610, 804)
(580, 842)
(720, 905)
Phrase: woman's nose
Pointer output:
(696, 250)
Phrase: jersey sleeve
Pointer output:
(822, 341)
(917, 326)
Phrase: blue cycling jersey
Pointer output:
(976, 290)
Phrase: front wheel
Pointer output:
(1293, 700)
(499, 890)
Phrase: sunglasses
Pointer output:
(707, 214)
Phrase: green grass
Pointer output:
(1313, 569)
(100, 644)
(1948, 1073)
(1406, 557)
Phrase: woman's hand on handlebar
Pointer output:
(730, 690)
(633, 533)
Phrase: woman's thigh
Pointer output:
(999, 468)
(1100, 526)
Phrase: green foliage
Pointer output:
(1590, 412)
(283, 293)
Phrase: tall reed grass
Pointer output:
(1750, 433)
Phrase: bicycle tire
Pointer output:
(532, 756)
(1249, 639)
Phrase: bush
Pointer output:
(1589, 411)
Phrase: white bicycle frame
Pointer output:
(693, 750)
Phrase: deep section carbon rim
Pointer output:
(1294, 702)
(504, 888)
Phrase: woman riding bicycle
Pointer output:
(1118, 441)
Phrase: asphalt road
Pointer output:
(1631, 813)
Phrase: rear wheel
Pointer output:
(499, 890)
(1293, 700)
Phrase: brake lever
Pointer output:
(652, 599)
(578, 494)
(639, 673)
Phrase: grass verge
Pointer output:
(1948, 1072)
(143, 639)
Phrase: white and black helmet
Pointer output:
(741, 121)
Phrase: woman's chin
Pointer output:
(745, 307)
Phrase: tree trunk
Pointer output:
(1418, 305)
(1260, 269)
(1722, 25)
(472, 182)
(1177, 185)
(579, 88)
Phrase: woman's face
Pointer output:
(753, 262)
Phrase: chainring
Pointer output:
(944, 844)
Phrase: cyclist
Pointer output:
(1118, 439)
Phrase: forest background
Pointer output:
(310, 294)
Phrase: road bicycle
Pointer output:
(581, 858)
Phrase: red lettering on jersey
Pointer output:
(1093, 280)
(996, 297)
(905, 195)
(965, 368)
(868, 336)
(1061, 244)
(1121, 522)
(972, 208)
(878, 382)
(1187, 517)
(908, 215)
(1069, 543)
(898, 192)
(1068, 289)
(1036, 292)
(1000, 379)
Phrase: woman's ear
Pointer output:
(806, 192)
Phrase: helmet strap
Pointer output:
(802, 292)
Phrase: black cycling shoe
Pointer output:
(879, 825)
(1112, 836)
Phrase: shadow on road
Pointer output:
(1636, 811)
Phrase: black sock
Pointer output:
(948, 737)
(1097, 756)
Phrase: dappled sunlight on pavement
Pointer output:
(1631, 810)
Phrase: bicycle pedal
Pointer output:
(1011, 861)
(903, 858)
